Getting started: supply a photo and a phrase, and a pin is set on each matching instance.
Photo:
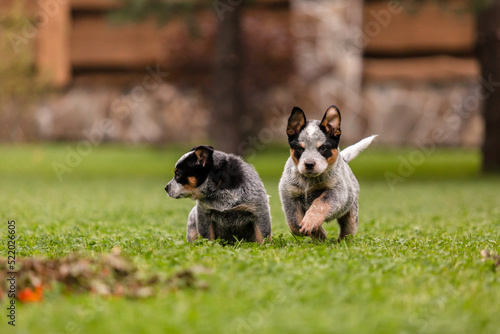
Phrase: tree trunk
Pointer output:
(488, 54)
(229, 107)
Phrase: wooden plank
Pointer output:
(96, 43)
(114, 4)
(52, 55)
(438, 68)
(428, 29)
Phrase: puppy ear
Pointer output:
(296, 122)
(203, 153)
(330, 124)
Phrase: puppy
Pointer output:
(231, 202)
(317, 184)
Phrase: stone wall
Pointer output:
(161, 115)
(410, 114)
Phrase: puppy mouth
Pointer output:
(311, 174)
(176, 196)
(180, 196)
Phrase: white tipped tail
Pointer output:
(352, 151)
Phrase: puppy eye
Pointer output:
(323, 149)
(300, 149)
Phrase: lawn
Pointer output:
(414, 266)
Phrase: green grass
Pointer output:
(414, 266)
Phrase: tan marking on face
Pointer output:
(191, 188)
(293, 156)
(302, 144)
(318, 144)
(191, 183)
(335, 153)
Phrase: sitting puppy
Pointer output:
(231, 201)
(317, 184)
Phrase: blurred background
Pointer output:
(422, 74)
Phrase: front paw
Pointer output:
(308, 225)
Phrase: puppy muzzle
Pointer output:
(172, 190)
(310, 169)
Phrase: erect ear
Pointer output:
(330, 124)
(296, 121)
(203, 153)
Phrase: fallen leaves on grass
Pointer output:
(106, 275)
(29, 295)
(490, 256)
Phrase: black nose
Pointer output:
(166, 187)
(309, 165)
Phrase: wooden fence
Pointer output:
(429, 43)
(432, 42)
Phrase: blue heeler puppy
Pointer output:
(231, 202)
(317, 184)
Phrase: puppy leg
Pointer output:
(315, 216)
(263, 228)
(349, 222)
(263, 232)
(295, 220)
(192, 229)
(260, 220)
(211, 235)
(319, 234)
(258, 234)
(294, 217)
(293, 214)
(204, 225)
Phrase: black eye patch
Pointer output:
(297, 149)
(326, 148)
(178, 175)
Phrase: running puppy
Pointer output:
(317, 184)
(231, 202)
